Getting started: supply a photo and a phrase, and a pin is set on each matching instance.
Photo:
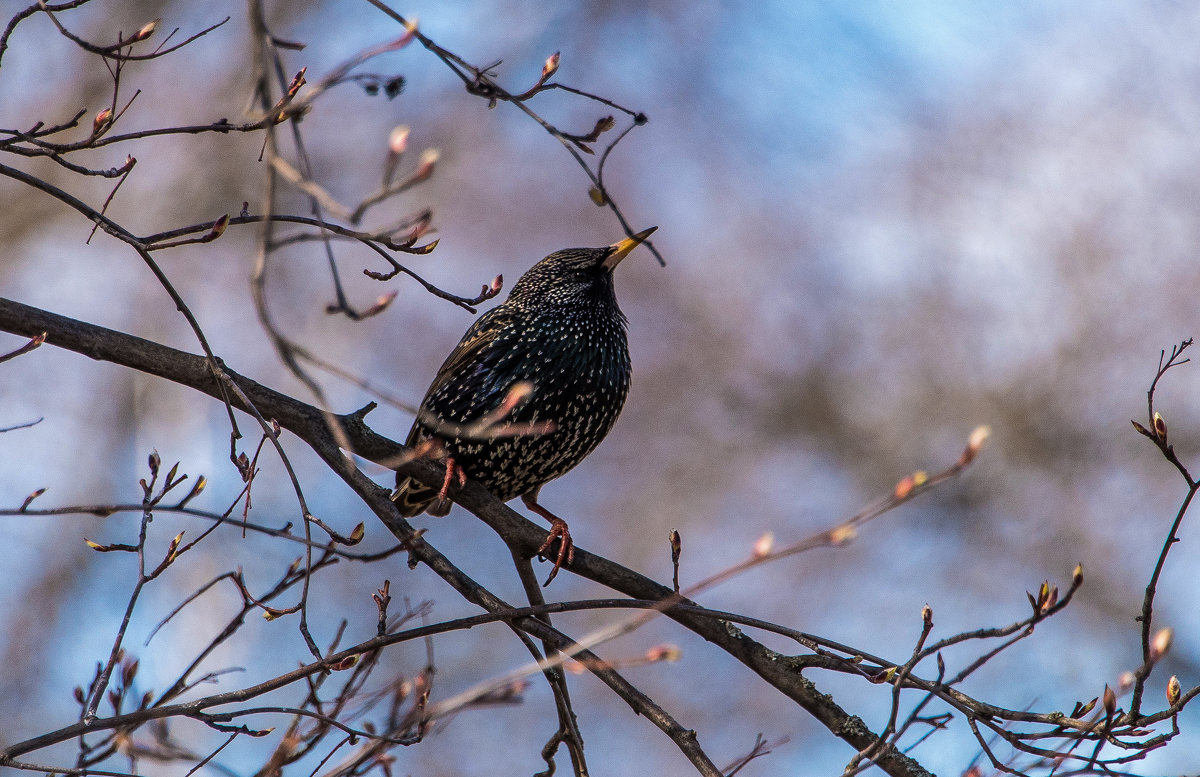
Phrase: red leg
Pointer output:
(453, 472)
(558, 530)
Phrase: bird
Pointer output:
(530, 390)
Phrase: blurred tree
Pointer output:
(221, 201)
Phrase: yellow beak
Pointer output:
(621, 249)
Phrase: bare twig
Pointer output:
(34, 342)
(1157, 433)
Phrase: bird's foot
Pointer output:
(566, 547)
(453, 472)
(558, 530)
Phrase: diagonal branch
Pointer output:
(309, 424)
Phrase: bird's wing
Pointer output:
(466, 387)
(468, 375)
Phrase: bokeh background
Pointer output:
(883, 223)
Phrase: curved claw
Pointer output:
(566, 547)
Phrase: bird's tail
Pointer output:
(413, 498)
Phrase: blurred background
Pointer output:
(884, 224)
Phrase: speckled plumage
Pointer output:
(561, 331)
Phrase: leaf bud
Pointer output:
(429, 158)
(842, 535)
(145, 31)
(551, 66)
(1173, 691)
(102, 120)
(665, 652)
(763, 545)
(1161, 643)
(398, 140)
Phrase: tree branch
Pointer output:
(309, 424)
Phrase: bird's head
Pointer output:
(574, 274)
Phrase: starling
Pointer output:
(531, 389)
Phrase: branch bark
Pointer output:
(309, 424)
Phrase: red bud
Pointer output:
(551, 66)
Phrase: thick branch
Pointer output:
(308, 423)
